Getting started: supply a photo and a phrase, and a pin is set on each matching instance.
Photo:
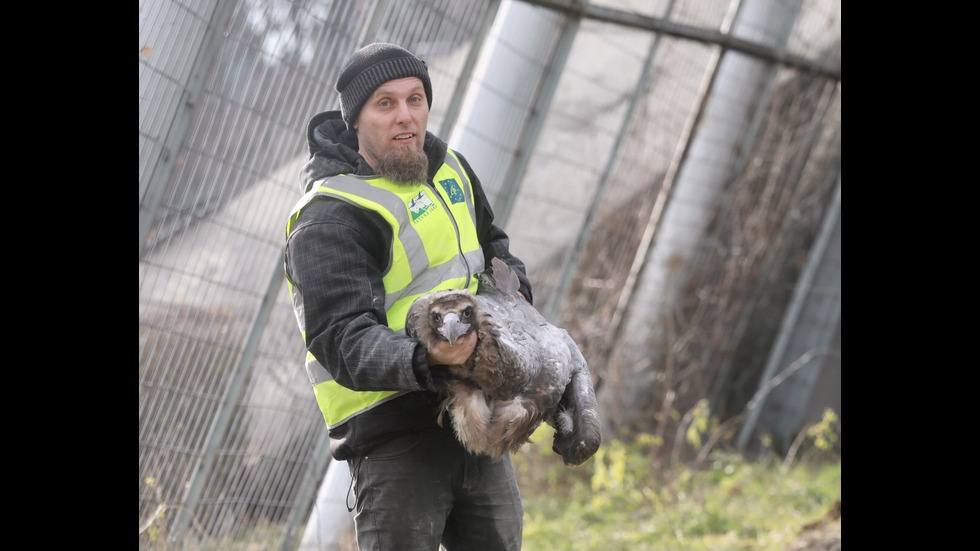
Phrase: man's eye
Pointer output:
(384, 103)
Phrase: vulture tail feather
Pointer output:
(503, 279)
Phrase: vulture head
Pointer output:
(442, 315)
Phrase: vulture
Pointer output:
(524, 370)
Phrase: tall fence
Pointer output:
(669, 171)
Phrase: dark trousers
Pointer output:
(418, 491)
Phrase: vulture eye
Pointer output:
(467, 313)
(436, 318)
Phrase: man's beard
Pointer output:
(408, 167)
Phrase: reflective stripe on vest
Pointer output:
(430, 250)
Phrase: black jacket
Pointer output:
(335, 257)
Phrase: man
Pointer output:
(390, 214)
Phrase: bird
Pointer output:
(523, 371)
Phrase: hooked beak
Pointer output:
(452, 328)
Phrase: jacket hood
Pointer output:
(333, 150)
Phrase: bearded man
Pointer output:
(390, 214)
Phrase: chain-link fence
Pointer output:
(669, 171)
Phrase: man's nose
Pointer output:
(402, 112)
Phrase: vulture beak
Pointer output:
(452, 328)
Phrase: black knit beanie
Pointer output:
(372, 66)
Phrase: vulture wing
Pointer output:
(558, 385)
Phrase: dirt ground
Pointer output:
(822, 535)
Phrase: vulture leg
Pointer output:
(578, 433)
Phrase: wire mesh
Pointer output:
(230, 438)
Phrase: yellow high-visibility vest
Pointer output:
(434, 246)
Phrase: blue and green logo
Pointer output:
(419, 205)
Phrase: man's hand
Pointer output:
(447, 354)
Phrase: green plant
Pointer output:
(621, 499)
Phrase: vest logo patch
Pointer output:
(453, 190)
(419, 205)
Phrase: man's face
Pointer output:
(391, 130)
